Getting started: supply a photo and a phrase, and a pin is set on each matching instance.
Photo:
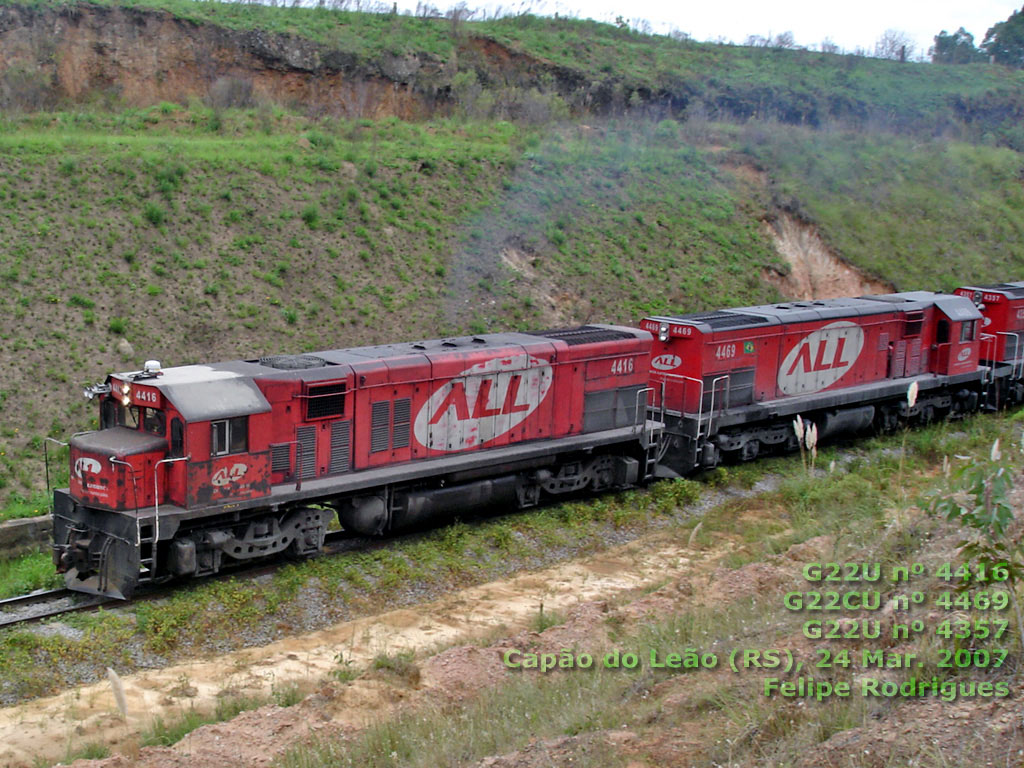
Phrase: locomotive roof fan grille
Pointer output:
(293, 362)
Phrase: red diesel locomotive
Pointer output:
(197, 466)
(202, 463)
(730, 382)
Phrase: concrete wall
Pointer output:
(18, 537)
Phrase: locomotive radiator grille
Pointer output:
(400, 423)
(307, 444)
(280, 458)
(379, 431)
(340, 441)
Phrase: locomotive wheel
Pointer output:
(309, 539)
(750, 450)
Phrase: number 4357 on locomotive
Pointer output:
(199, 466)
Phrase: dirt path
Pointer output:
(45, 729)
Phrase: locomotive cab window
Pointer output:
(177, 438)
(108, 413)
(128, 417)
(967, 330)
(229, 436)
(154, 421)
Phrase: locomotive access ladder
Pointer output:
(653, 432)
(147, 565)
(706, 418)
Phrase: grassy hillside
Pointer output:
(189, 235)
(185, 233)
(274, 234)
(915, 213)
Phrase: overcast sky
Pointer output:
(848, 23)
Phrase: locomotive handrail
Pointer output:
(1016, 355)
(700, 400)
(46, 460)
(135, 487)
(711, 406)
(156, 499)
(637, 420)
(988, 340)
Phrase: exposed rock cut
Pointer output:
(815, 272)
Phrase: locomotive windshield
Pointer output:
(114, 414)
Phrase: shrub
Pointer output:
(311, 215)
(154, 214)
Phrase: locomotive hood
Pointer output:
(118, 443)
(99, 461)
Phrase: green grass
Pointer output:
(27, 574)
(165, 733)
(354, 583)
(727, 715)
(850, 505)
(505, 719)
(18, 507)
(248, 242)
(367, 232)
(94, 751)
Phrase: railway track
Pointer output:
(47, 604)
(25, 609)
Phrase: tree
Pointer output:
(1005, 41)
(957, 48)
(894, 44)
(783, 40)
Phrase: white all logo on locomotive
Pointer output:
(821, 358)
(483, 402)
(666, 362)
(228, 475)
(84, 465)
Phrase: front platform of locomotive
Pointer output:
(99, 535)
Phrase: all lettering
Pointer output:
(822, 360)
(481, 408)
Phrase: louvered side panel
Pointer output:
(379, 427)
(914, 358)
(340, 446)
(307, 444)
(281, 458)
(400, 423)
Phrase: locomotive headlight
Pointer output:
(126, 395)
(663, 332)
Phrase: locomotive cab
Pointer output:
(165, 444)
(115, 468)
(1002, 309)
(111, 479)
